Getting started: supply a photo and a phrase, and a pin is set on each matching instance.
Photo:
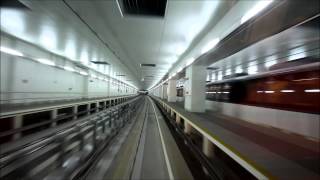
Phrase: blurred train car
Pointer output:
(287, 87)
(285, 97)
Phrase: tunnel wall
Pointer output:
(26, 80)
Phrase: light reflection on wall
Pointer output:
(297, 54)
(252, 68)
(220, 75)
(12, 21)
(239, 69)
(48, 38)
(70, 50)
(84, 57)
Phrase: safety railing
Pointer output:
(68, 151)
(18, 124)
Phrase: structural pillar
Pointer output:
(54, 115)
(208, 147)
(187, 128)
(165, 87)
(172, 90)
(160, 92)
(178, 119)
(75, 111)
(163, 91)
(195, 86)
(17, 124)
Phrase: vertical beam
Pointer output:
(165, 87)
(17, 123)
(208, 147)
(88, 108)
(195, 88)
(97, 106)
(75, 111)
(178, 119)
(187, 127)
(160, 92)
(54, 115)
(172, 90)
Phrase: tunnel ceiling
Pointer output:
(145, 39)
(98, 31)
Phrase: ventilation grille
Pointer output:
(100, 62)
(144, 7)
(147, 65)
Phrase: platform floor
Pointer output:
(276, 153)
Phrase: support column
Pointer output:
(172, 91)
(17, 124)
(54, 115)
(164, 91)
(208, 147)
(75, 111)
(187, 127)
(178, 119)
(88, 108)
(195, 86)
(172, 113)
(160, 92)
(97, 106)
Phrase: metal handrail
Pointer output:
(93, 122)
(18, 130)
(61, 118)
(65, 103)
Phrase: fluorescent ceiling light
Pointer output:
(312, 90)
(190, 61)
(93, 76)
(255, 10)
(210, 45)
(10, 51)
(308, 79)
(83, 73)
(46, 61)
(180, 50)
(268, 92)
(287, 91)
(119, 7)
(68, 68)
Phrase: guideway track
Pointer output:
(149, 152)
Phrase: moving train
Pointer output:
(288, 86)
